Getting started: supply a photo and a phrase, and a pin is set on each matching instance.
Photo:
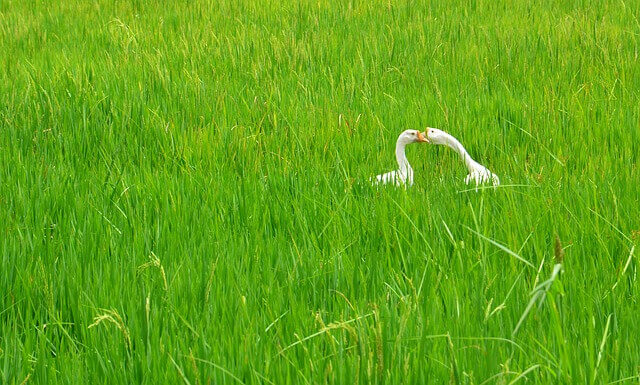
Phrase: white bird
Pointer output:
(403, 176)
(478, 173)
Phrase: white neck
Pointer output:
(452, 142)
(403, 163)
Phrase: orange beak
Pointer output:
(422, 138)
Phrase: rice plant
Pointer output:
(184, 192)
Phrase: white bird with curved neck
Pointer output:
(478, 173)
(403, 176)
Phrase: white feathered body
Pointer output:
(478, 174)
(403, 176)
(397, 177)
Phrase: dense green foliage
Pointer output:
(184, 197)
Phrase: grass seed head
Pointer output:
(558, 251)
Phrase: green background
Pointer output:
(184, 196)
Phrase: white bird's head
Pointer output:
(435, 136)
(412, 136)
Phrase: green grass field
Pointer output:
(184, 196)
